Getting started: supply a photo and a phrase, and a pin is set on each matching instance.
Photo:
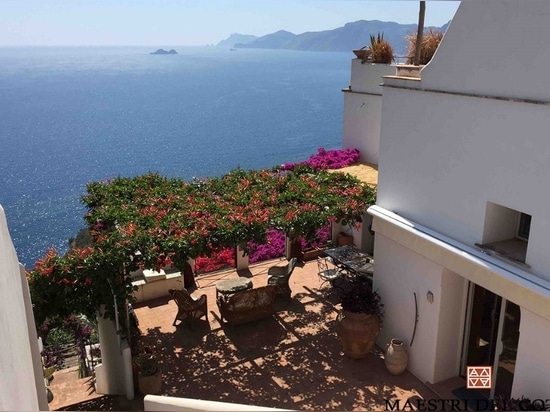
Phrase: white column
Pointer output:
(111, 374)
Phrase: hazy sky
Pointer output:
(191, 22)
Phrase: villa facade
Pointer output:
(462, 220)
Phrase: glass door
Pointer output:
(507, 348)
(492, 338)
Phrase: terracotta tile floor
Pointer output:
(292, 360)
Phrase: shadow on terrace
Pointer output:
(292, 360)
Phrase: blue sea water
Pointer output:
(69, 116)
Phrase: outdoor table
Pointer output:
(229, 286)
(354, 261)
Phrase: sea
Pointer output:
(72, 115)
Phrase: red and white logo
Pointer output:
(479, 377)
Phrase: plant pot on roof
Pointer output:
(362, 53)
(358, 324)
(379, 51)
(430, 42)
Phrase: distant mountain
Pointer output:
(277, 40)
(236, 38)
(351, 36)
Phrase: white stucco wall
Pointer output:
(367, 77)
(443, 157)
(398, 274)
(171, 403)
(361, 128)
(114, 374)
(452, 306)
(21, 380)
(493, 229)
(496, 49)
(362, 109)
(532, 373)
(471, 132)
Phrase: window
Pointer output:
(524, 226)
(506, 233)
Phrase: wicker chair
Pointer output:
(188, 307)
(248, 305)
(280, 275)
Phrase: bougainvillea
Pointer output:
(273, 247)
(218, 259)
(151, 221)
(327, 159)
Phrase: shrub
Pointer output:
(327, 159)
(146, 361)
(273, 248)
(361, 299)
(430, 43)
(59, 336)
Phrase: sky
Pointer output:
(192, 22)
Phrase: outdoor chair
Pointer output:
(188, 307)
(328, 272)
(280, 275)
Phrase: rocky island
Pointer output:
(162, 51)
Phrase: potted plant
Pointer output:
(380, 50)
(149, 373)
(430, 43)
(358, 324)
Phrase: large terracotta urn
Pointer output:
(357, 332)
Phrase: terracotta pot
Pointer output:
(361, 53)
(396, 357)
(357, 332)
(344, 239)
(150, 385)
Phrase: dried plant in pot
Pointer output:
(358, 324)
(380, 50)
(430, 42)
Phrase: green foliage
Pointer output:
(169, 220)
(146, 360)
(60, 336)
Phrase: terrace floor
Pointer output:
(292, 360)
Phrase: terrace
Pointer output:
(292, 360)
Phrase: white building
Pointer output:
(22, 386)
(462, 218)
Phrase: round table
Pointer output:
(230, 286)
